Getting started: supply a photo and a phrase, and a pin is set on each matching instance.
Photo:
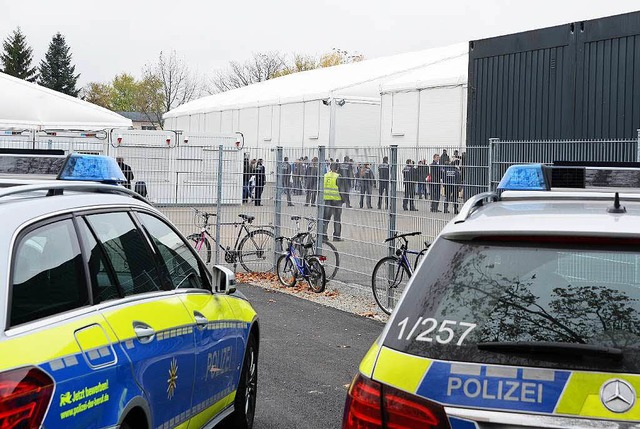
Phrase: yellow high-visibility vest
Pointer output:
(331, 191)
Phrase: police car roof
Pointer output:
(549, 213)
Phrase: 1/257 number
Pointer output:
(445, 333)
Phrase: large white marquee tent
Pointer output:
(336, 106)
(25, 105)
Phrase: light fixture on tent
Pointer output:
(326, 101)
(340, 102)
(119, 139)
(186, 139)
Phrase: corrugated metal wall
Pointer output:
(574, 81)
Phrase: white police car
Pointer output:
(525, 313)
(108, 319)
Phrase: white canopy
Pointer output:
(350, 81)
(449, 72)
(27, 105)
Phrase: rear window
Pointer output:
(539, 294)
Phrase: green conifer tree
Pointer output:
(17, 56)
(56, 71)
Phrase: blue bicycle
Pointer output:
(297, 262)
(392, 273)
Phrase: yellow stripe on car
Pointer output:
(400, 369)
(369, 361)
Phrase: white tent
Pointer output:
(335, 106)
(427, 107)
(25, 105)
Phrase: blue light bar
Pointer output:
(524, 177)
(93, 168)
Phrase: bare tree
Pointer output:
(179, 84)
(262, 66)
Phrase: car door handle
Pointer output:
(201, 321)
(144, 332)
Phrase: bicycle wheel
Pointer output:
(286, 271)
(203, 247)
(256, 251)
(316, 277)
(332, 263)
(388, 281)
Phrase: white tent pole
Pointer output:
(332, 123)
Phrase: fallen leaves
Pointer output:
(271, 281)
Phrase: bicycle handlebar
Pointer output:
(403, 236)
(203, 213)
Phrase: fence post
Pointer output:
(320, 199)
(393, 206)
(219, 202)
(638, 147)
(492, 143)
(277, 216)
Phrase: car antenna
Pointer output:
(616, 207)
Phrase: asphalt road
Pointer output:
(308, 355)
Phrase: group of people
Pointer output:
(253, 180)
(429, 181)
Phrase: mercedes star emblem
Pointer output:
(617, 395)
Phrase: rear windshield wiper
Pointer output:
(551, 347)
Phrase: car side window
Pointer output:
(48, 276)
(103, 281)
(127, 251)
(181, 263)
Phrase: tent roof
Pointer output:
(450, 72)
(27, 105)
(354, 80)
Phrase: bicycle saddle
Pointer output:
(295, 217)
(247, 217)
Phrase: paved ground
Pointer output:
(308, 355)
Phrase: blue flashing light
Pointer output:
(523, 177)
(93, 168)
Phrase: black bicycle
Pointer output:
(254, 251)
(329, 251)
(391, 274)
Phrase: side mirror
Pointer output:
(224, 280)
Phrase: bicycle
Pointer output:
(254, 251)
(297, 262)
(332, 256)
(391, 273)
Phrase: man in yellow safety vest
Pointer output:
(332, 203)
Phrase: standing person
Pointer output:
(312, 182)
(366, 180)
(246, 176)
(444, 158)
(297, 175)
(409, 174)
(383, 182)
(434, 186)
(451, 179)
(423, 172)
(346, 173)
(252, 179)
(332, 203)
(285, 172)
(126, 170)
(259, 172)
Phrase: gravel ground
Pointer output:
(350, 298)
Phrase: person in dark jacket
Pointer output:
(435, 184)
(383, 182)
(451, 179)
(311, 182)
(126, 170)
(285, 173)
(259, 172)
(366, 181)
(444, 158)
(346, 177)
(409, 176)
(246, 176)
(423, 172)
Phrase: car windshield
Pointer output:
(525, 302)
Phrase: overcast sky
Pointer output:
(115, 36)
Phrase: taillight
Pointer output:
(363, 408)
(371, 405)
(24, 397)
